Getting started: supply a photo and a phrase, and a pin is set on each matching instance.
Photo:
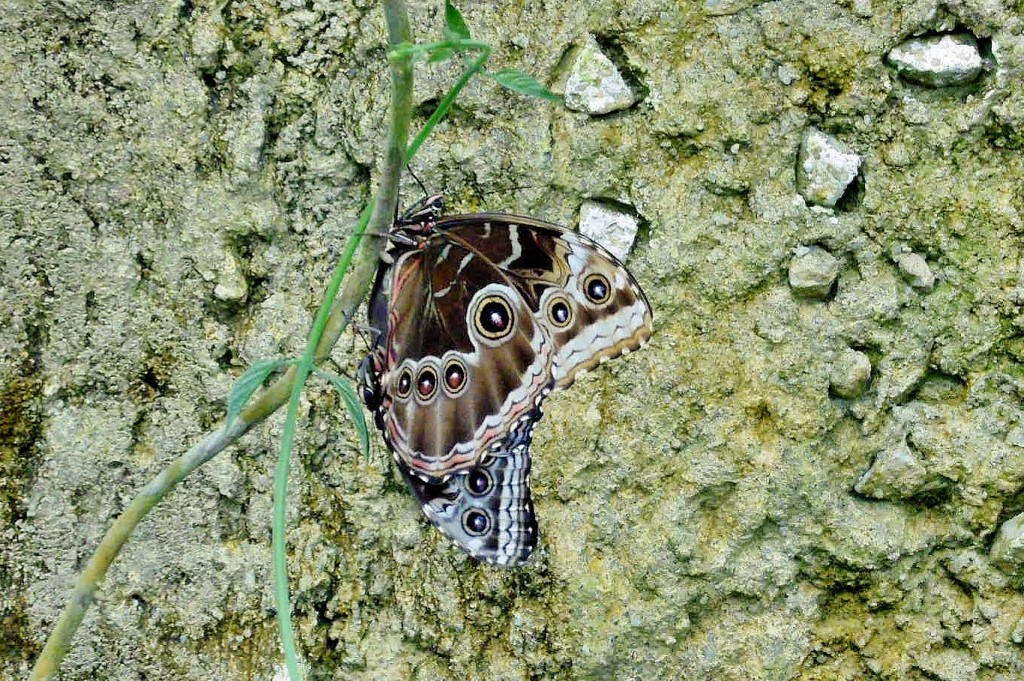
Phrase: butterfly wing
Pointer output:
(487, 511)
(479, 321)
(488, 315)
(589, 304)
(461, 357)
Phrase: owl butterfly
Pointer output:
(479, 317)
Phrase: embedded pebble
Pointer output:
(850, 374)
(938, 60)
(787, 74)
(613, 229)
(1007, 551)
(897, 155)
(1017, 635)
(862, 8)
(812, 271)
(916, 271)
(721, 8)
(594, 85)
(1015, 438)
(826, 168)
(231, 283)
(895, 474)
(226, 476)
(207, 39)
(246, 132)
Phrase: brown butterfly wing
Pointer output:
(511, 308)
(463, 357)
(560, 271)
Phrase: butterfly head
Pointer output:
(423, 214)
(369, 373)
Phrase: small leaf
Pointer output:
(249, 382)
(455, 25)
(440, 55)
(353, 405)
(523, 84)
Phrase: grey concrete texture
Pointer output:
(177, 179)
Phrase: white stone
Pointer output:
(895, 474)
(1015, 438)
(227, 476)
(207, 38)
(850, 373)
(812, 271)
(231, 283)
(938, 61)
(594, 85)
(825, 169)
(916, 271)
(862, 8)
(1017, 635)
(721, 8)
(613, 229)
(787, 74)
(1008, 549)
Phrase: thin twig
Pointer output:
(59, 641)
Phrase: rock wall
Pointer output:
(814, 471)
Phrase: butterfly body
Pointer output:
(480, 317)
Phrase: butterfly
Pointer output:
(478, 318)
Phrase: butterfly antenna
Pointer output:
(422, 187)
(366, 332)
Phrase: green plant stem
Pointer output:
(59, 640)
(442, 109)
(387, 199)
(302, 370)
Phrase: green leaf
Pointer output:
(249, 382)
(455, 25)
(523, 84)
(440, 54)
(353, 405)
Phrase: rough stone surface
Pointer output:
(696, 499)
(827, 167)
(895, 473)
(594, 85)
(812, 271)
(850, 374)
(613, 229)
(938, 60)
